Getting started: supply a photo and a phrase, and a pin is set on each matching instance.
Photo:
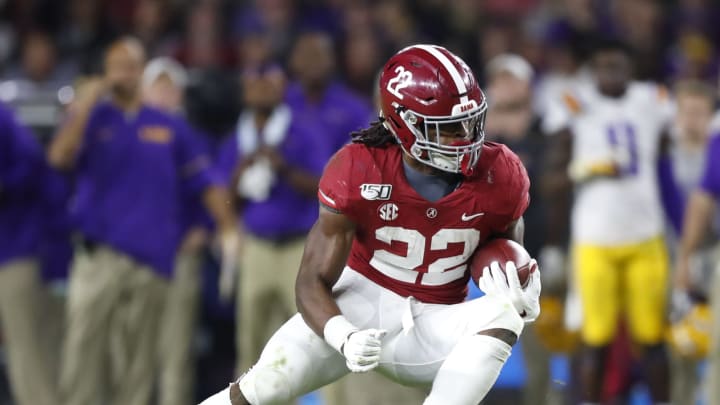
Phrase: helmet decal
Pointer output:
(402, 80)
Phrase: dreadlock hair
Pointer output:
(375, 136)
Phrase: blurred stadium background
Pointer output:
(49, 48)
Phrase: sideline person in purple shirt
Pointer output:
(130, 163)
(273, 166)
(23, 177)
(21, 182)
(319, 102)
(277, 178)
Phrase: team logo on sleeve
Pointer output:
(373, 192)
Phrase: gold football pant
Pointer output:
(629, 280)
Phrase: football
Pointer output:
(502, 251)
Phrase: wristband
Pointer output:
(336, 331)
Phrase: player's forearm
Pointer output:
(670, 194)
(313, 288)
(303, 182)
(557, 218)
(218, 203)
(315, 303)
(698, 215)
(556, 180)
(326, 251)
(66, 144)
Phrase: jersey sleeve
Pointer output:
(193, 159)
(515, 185)
(710, 181)
(335, 183)
(560, 112)
(520, 187)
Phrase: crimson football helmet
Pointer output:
(427, 92)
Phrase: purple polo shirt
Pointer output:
(22, 179)
(56, 248)
(333, 117)
(130, 177)
(286, 213)
(710, 181)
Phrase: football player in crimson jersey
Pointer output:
(383, 278)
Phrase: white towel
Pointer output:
(258, 180)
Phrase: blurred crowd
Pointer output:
(120, 257)
(49, 44)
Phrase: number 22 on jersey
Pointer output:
(439, 272)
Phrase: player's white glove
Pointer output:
(526, 301)
(361, 348)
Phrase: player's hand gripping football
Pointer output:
(526, 301)
(361, 348)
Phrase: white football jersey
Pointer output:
(627, 131)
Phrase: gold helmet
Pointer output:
(690, 335)
(550, 326)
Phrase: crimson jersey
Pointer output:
(408, 244)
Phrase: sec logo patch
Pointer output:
(388, 211)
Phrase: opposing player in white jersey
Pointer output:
(609, 136)
(383, 278)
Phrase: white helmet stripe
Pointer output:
(449, 66)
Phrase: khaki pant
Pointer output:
(177, 369)
(713, 372)
(267, 294)
(52, 320)
(113, 311)
(20, 311)
(371, 389)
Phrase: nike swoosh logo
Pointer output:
(466, 217)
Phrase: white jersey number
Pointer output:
(402, 80)
(441, 271)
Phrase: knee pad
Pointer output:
(265, 386)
